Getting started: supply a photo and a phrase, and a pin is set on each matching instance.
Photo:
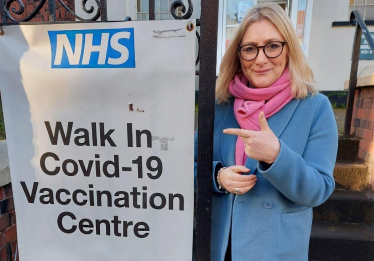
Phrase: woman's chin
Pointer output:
(261, 84)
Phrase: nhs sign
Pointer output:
(97, 48)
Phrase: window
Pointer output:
(162, 10)
(234, 12)
(364, 7)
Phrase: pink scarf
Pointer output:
(249, 102)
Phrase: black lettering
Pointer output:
(139, 135)
(125, 199)
(138, 228)
(86, 171)
(91, 195)
(58, 196)
(171, 201)
(85, 137)
(61, 227)
(115, 164)
(126, 225)
(116, 222)
(134, 193)
(48, 198)
(75, 197)
(106, 136)
(144, 198)
(107, 226)
(108, 196)
(65, 169)
(94, 134)
(42, 163)
(82, 226)
(130, 140)
(152, 201)
(59, 130)
(30, 198)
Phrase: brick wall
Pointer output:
(8, 232)
(61, 13)
(363, 127)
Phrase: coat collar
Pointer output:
(277, 124)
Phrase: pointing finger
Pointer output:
(239, 132)
(263, 122)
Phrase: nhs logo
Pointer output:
(98, 48)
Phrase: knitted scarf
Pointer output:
(249, 102)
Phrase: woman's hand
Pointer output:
(236, 183)
(261, 145)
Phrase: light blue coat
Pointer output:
(273, 220)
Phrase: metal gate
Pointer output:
(207, 58)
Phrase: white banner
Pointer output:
(100, 120)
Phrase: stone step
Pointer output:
(332, 241)
(347, 149)
(351, 176)
(347, 206)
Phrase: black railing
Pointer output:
(207, 78)
(361, 27)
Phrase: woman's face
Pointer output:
(262, 71)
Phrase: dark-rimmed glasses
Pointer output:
(272, 50)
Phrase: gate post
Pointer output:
(207, 80)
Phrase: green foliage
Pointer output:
(337, 94)
(336, 105)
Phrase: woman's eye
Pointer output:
(273, 46)
(249, 49)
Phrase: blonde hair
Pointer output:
(301, 74)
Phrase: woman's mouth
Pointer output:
(261, 71)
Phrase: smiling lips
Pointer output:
(261, 71)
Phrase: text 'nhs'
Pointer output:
(95, 48)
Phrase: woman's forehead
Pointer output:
(261, 32)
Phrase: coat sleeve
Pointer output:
(216, 166)
(307, 179)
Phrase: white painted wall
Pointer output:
(330, 48)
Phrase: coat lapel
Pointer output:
(228, 141)
(277, 124)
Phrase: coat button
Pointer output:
(267, 204)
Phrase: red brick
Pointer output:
(5, 221)
(12, 217)
(371, 92)
(2, 195)
(353, 129)
(368, 135)
(3, 254)
(367, 145)
(366, 103)
(10, 234)
(13, 245)
(357, 93)
(359, 133)
(364, 144)
(8, 191)
(364, 93)
(361, 113)
(360, 153)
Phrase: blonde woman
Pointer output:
(275, 144)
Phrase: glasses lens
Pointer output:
(273, 49)
(248, 52)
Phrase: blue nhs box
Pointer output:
(95, 48)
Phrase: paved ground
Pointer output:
(339, 116)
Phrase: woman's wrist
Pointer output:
(220, 186)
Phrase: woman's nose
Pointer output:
(261, 57)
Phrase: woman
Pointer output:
(278, 161)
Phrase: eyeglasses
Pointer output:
(272, 50)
